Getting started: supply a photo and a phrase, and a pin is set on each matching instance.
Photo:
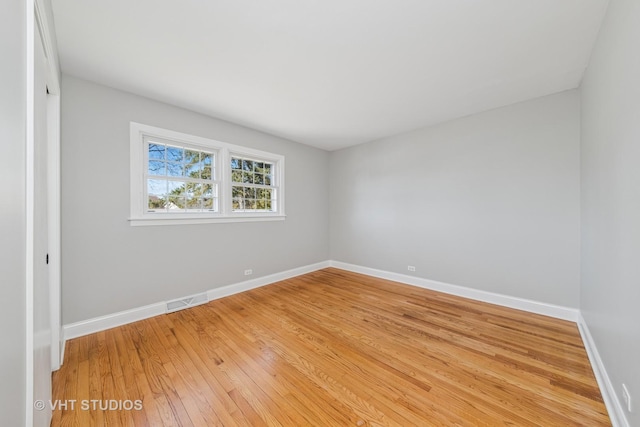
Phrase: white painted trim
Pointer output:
(225, 291)
(29, 206)
(53, 206)
(551, 310)
(90, 326)
(611, 401)
(138, 222)
(97, 324)
(63, 345)
(43, 21)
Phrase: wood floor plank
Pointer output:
(305, 392)
(335, 348)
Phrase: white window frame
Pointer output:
(139, 216)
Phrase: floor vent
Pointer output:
(187, 302)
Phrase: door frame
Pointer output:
(43, 20)
(53, 202)
(39, 19)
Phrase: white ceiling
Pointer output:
(330, 73)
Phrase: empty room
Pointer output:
(304, 213)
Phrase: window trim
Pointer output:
(224, 151)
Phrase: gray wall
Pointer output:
(109, 266)
(490, 201)
(12, 213)
(610, 292)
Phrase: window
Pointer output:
(179, 178)
(252, 185)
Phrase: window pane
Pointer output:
(236, 204)
(264, 193)
(177, 188)
(259, 167)
(258, 178)
(236, 176)
(157, 168)
(192, 188)
(260, 204)
(207, 190)
(193, 203)
(267, 180)
(206, 172)
(156, 203)
(156, 187)
(176, 203)
(249, 193)
(193, 170)
(191, 157)
(237, 192)
(268, 205)
(207, 203)
(236, 163)
(174, 169)
(175, 154)
(247, 177)
(156, 152)
(247, 165)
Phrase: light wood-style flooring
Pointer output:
(334, 348)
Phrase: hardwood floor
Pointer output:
(333, 348)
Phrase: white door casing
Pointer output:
(44, 23)
(41, 291)
(42, 303)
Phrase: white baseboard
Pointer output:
(614, 407)
(265, 280)
(85, 327)
(97, 324)
(551, 310)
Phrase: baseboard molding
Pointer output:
(236, 288)
(97, 324)
(614, 407)
(559, 312)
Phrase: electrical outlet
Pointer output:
(627, 397)
(411, 268)
(248, 272)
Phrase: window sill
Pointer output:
(138, 222)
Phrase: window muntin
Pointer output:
(253, 185)
(180, 178)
